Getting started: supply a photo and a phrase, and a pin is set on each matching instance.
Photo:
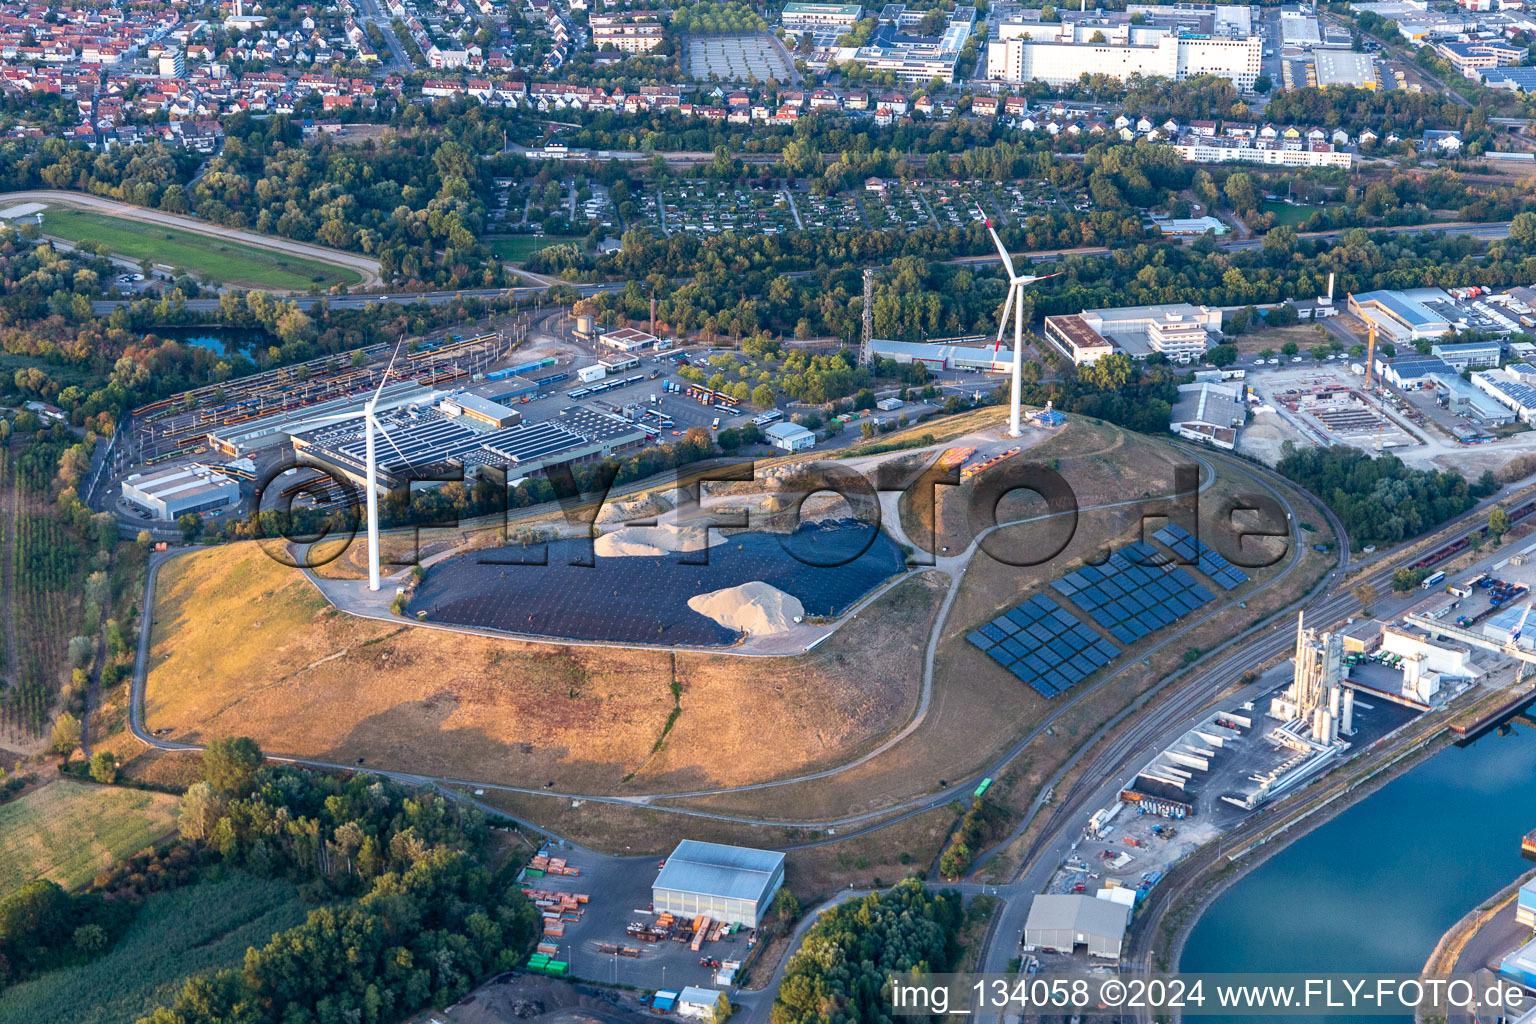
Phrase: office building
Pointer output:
(804, 17)
(1110, 43)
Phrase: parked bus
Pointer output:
(716, 426)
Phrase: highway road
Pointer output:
(365, 266)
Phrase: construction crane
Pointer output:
(1513, 642)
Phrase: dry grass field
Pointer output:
(68, 831)
(978, 709)
(244, 646)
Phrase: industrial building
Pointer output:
(1344, 68)
(1463, 399)
(1317, 705)
(790, 436)
(1428, 663)
(423, 444)
(733, 884)
(1413, 373)
(1177, 330)
(630, 339)
(1509, 390)
(1168, 42)
(1404, 316)
(171, 493)
(481, 410)
(1209, 412)
(947, 355)
(1474, 353)
(1063, 922)
(698, 1003)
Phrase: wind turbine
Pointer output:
(1016, 283)
(370, 425)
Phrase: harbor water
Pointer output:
(1376, 887)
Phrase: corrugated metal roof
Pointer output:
(712, 869)
(1078, 913)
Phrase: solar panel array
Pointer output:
(1043, 645)
(1190, 549)
(1134, 592)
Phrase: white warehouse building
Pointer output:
(733, 884)
(171, 493)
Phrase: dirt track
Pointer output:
(368, 268)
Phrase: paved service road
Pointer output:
(364, 265)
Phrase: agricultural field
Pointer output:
(302, 678)
(68, 831)
(229, 262)
(203, 927)
(46, 567)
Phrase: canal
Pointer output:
(1376, 887)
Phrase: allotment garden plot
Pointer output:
(710, 209)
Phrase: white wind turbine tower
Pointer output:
(370, 425)
(1016, 283)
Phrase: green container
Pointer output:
(557, 967)
(534, 872)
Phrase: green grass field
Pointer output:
(68, 831)
(224, 261)
(176, 934)
(1287, 215)
(517, 248)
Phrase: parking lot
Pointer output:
(737, 58)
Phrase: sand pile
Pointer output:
(755, 607)
(649, 541)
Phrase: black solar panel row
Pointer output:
(1133, 593)
(1043, 645)
(1189, 549)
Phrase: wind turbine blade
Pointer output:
(1002, 323)
(379, 428)
(1007, 260)
(385, 379)
(334, 417)
(1042, 277)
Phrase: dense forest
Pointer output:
(843, 968)
(1380, 500)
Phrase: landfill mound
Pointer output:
(755, 608)
(648, 541)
